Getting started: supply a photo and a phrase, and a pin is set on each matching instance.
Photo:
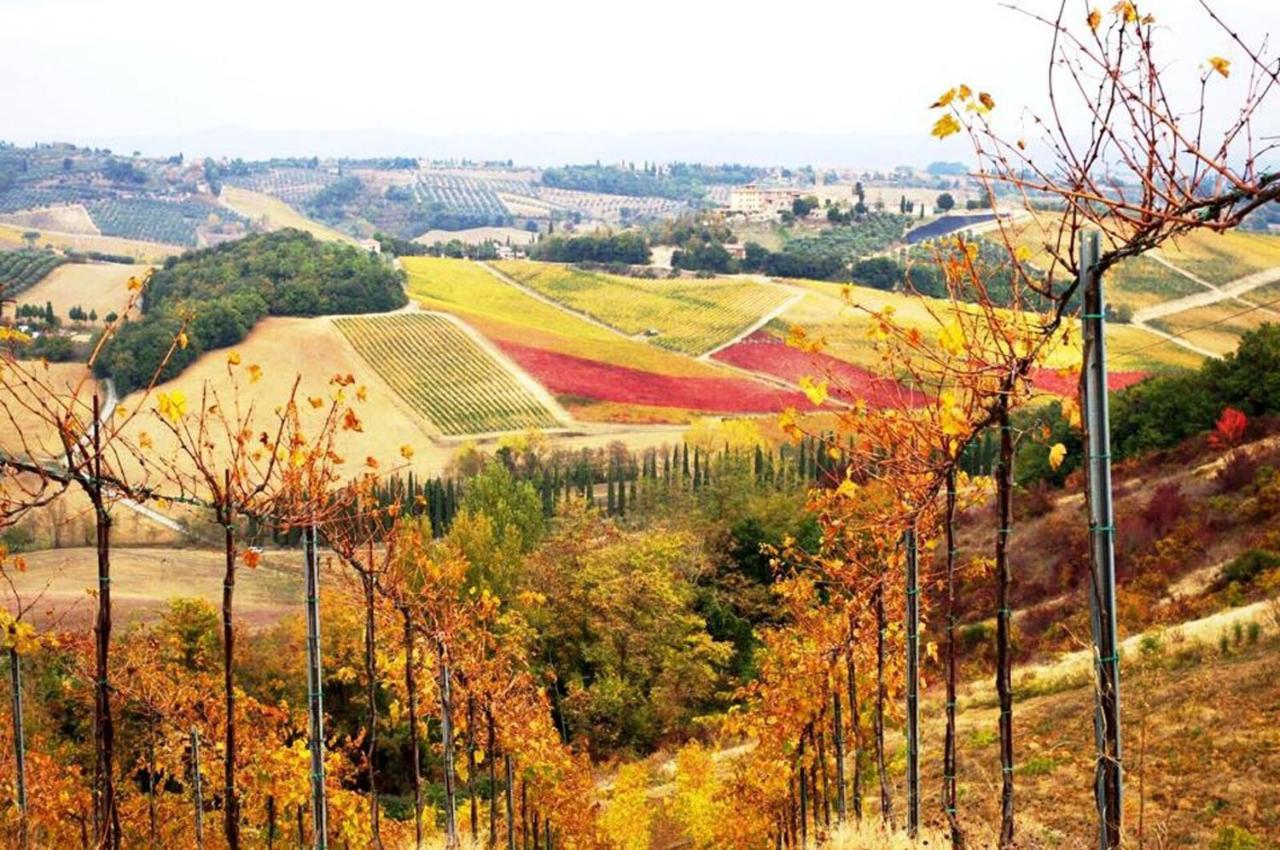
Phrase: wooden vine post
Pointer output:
(1109, 787)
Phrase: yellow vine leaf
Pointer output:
(946, 98)
(987, 101)
(1056, 455)
(233, 359)
(173, 406)
(406, 451)
(816, 391)
(1222, 66)
(1126, 10)
(945, 126)
(183, 341)
(1095, 19)
(134, 284)
(951, 338)
(255, 373)
(316, 403)
(964, 92)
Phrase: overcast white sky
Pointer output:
(95, 70)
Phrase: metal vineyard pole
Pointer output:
(913, 684)
(196, 791)
(19, 745)
(315, 689)
(1102, 597)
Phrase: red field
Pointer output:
(1048, 380)
(564, 374)
(769, 355)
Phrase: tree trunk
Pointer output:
(882, 696)
(151, 779)
(855, 723)
(415, 748)
(231, 803)
(490, 759)
(371, 684)
(471, 766)
(826, 779)
(1004, 689)
(804, 796)
(949, 754)
(511, 808)
(837, 738)
(108, 815)
(524, 814)
(446, 734)
(271, 822)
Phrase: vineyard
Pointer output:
(291, 185)
(169, 222)
(445, 375)
(687, 316)
(20, 270)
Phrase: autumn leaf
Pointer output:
(315, 402)
(1056, 455)
(1127, 11)
(255, 373)
(183, 341)
(233, 359)
(371, 462)
(362, 393)
(134, 284)
(251, 558)
(945, 126)
(406, 451)
(987, 100)
(787, 422)
(1222, 66)
(173, 406)
(1095, 19)
(946, 98)
(351, 422)
(816, 391)
(951, 338)
(964, 92)
(144, 441)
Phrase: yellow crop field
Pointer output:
(846, 328)
(503, 313)
(690, 316)
(445, 375)
(274, 214)
(1217, 327)
(1222, 257)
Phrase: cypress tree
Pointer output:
(613, 498)
(622, 491)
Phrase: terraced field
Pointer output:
(445, 375)
(689, 316)
(20, 270)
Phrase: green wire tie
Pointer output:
(1008, 611)
(913, 591)
(1004, 531)
(1093, 316)
(1110, 659)
(1006, 770)
(104, 579)
(951, 810)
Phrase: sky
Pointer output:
(285, 77)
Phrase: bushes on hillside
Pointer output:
(227, 289)
(627, 247)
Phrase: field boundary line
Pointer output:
(533, 293)
(768, 317)
(1176, 340)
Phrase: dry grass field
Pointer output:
(144, 579)
(73, 218)
(93, 286)
(141, 251)
(274, 214)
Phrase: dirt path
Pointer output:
(1212, 295)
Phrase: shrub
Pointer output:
(1236, 838)
(1248, 566)
(1237, 472)
(1166, 507)
(1254, 632)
